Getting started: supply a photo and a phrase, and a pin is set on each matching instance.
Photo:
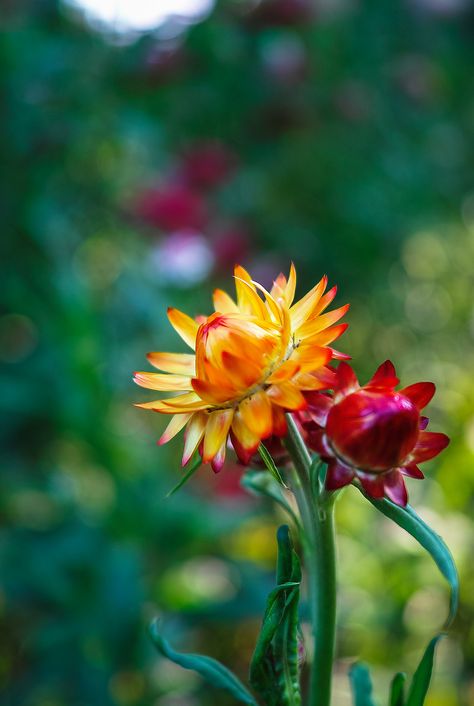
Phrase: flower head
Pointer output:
(373, 433)
(253, 359)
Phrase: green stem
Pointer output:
(318, 540)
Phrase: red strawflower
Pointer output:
(373, 433)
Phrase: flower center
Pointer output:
(237, 353)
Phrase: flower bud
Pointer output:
(374, 433)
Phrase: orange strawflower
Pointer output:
(253, 360)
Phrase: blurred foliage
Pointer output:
(137, 169)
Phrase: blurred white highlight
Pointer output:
(141, 15)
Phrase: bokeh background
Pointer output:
(144, 154)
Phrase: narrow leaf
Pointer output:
(397, 690)
(190, 472)
(210, 669)
(407, 518)
(422, 676)
(361, 684)
(261, 483)
(270, 464)
(274, 670)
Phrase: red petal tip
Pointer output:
(421, 393)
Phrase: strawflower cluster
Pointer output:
(263, 355)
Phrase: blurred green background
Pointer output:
(138, 167)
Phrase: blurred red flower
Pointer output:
(172, 207)
(373, 433)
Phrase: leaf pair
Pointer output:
(274, 672)
(362, 684)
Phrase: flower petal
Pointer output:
(193, 435)
(372, 484)
(290, 286)
(346, 381)
(303, 308)
(327, 375)
(395, 488)
(285, 372)
(242, 371)
(338, 475)
(248, 300)
(212, 393)
(279, 286)
(412, 471)
(384, 376)
(247, 441)
(179, 363)
(317, 440)
(429, 445)
(319, 406)
(188, 402)
(325, 301)
(287, 395)
(184, 325)
(256, 413)
(280, 427)
(223, 303)
(219, 459)
(311, 357)
(178, 421)
(337, 355)
(424, 421)
(317, 324)
(309, 381)
(164, 382)
(217, 428)
(420, 393)
(328, 335)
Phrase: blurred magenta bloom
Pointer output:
(172, 207)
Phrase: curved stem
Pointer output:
(318, 540)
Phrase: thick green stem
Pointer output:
(318, 540)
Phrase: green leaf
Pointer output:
(270, 464)
(422, 676)
(361, 685)
(397, 690)
(262, 483)
(274, 671)
(210, 669)
(407, 518)
(191, 471)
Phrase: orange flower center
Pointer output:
(237, 352)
